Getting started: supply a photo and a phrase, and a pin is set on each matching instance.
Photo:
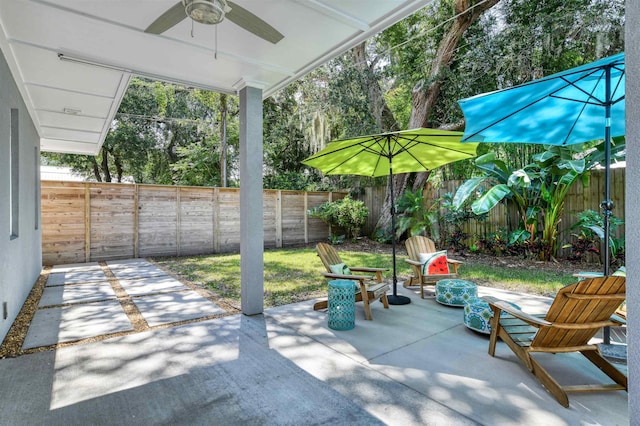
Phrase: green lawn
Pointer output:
(293, 275)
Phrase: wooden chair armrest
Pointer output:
(346, 277)
(455, 261)
(413, 262)
(510, 309)
(440, 276)
(365, 269)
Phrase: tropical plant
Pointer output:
(556, 171)
(538, 190)
(590, 226)
(454, 219)
(414, 217)
(504, 182)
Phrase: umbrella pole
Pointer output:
(607, 204)
(394, 299)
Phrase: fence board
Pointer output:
(271, 214)
(158, 217)
(293, 217)
(102, 221)
(111, 221)
(63, 219)
(196, 226)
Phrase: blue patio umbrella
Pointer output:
(579, 105)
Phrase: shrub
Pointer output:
(348, 214)
(590, 225)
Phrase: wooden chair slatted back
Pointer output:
(419, 244)
(586, 302)
(328, 255)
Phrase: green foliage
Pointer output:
(287, 180)
(383, 235)
(347, 214)
(164, 134)
(414, 217)
(538, 190)
(336, 239)
(455, 214)
(167, 134)
(514, 243)
(590, 227)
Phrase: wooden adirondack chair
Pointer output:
(576, 314)
(419, 244)
(370, 288)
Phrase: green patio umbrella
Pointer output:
(386, 154)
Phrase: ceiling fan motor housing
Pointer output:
(206, 11)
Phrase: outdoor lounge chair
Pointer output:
(370, 288)
(575, 316)
(419, 247)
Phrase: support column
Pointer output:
(632, 200)
(251, 216)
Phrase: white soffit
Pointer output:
(73, 104)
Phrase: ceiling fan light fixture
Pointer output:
(206, 11)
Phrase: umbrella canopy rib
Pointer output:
(415, 150)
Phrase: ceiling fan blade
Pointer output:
(168, 19)
(250, 22)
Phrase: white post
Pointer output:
(251, 216)
(632, 200)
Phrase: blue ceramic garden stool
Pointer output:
(478, 314)
(342, 304)
(453, 292)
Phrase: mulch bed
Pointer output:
(557, 266)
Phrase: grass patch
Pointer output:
(294, 275)
(526, 280)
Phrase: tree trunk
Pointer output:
(96, 169)
(105, 164)
(400, 182)
(378, 106)
(119, 171)
(426, 96)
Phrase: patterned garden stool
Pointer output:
(342, 304)
(455, 292)
(478, 314)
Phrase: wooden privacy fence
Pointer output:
(84, 221)
(502, 217)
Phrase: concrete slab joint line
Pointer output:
(80, 304)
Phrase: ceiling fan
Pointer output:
(213, 12)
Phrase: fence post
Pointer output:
(216, 220)
(279, 219)
(87, 223)
(136, 220)
(178, 208)
(306, 219)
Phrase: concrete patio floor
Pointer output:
(413, 364)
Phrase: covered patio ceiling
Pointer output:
(73, 102)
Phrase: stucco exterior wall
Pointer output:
(21, 254)
(632, 219)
